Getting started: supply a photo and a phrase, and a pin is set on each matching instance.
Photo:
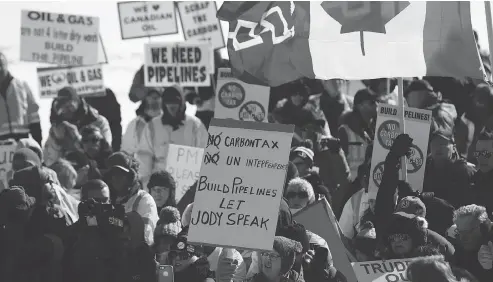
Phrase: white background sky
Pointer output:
(125, 56)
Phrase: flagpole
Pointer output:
(403, 125)
(489, 23)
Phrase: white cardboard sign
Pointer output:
(146, 19)
(60, 39)
(87, 80)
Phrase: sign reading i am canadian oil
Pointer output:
(86, 80)
(238, 100)
(145, 19)
(199, 22)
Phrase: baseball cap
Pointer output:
(302, 152)
(362, 96)
(411, 205)
(119, 160)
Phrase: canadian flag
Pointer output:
(272, 43)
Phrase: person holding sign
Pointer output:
(19, 115)
(173, 126)
(69, 114)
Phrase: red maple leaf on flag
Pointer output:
(370, 16)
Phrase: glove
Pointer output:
(401, 146)
(485, 256)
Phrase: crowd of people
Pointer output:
(94, 203)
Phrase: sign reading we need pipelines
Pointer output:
(184, 64)
(241, 184)
(60, 39)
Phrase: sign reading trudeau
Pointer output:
(200, 23)
(145, 19)
(184, 64)
(87, 80)
(241, 184)
(60, 39)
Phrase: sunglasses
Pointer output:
(91, 140)
(399, 237)
(300, 194)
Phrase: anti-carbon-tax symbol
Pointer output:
(231, 95)
(252, 111)
(387, 132)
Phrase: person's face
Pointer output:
(119, 181)
(481, 106)
(270, 264)
(333, 87)
(297, 99)
(67, 108)
(160, 195)
(301, 165)
(297, 197)
(416, 99)
(173, 108)
(3, 67)
(401, 244)
(441, 149)
(101, 196)
(92, 144)
(153, 101)
(369, 108)
(468, 228)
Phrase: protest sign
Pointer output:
(484, 154)
(387, 129)
(199, 22)
(87, 80)
(145, 19)
(238, 100)
(322, 211)
(184, 64)
(241, 184)
(60, 39)
(394, 270)
(183, 163)
(7, 150)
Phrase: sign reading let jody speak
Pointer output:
(184, 64)
(60, 39)
(143, 19)
(87, 80)
(239, 100)
(200, 23)
(241, 184)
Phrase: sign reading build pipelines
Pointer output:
(87, 80)
(142, 19)
(199, 22)
(241, 184)
(60, 39)
(183, 64)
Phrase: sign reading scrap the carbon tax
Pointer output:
(387, 129)
(184, 64)
(238, 100)
(86, 80)
(200, 23)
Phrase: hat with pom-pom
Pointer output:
(169, 223)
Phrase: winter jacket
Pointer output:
(466, 136)
(468, 260)
(133, 134)
(108, 107)
(334, 108)
(55, 149)
(153, 148)
(454, 182)
(19, 108)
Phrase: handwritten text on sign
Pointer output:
(382, 271)
(241, 184)
(239, 100)
(60, 39)
(183, 64)
(184, 163)
(200, 23)
(7, 150)
(142, 19)
(87, 80)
